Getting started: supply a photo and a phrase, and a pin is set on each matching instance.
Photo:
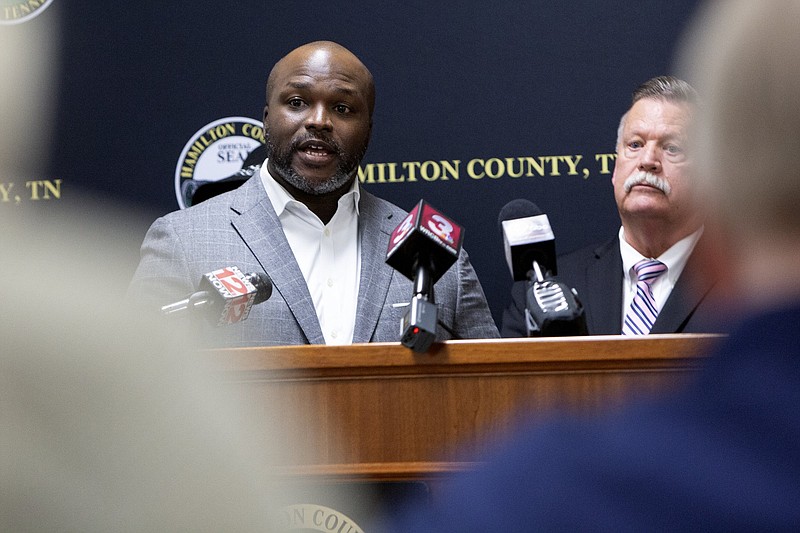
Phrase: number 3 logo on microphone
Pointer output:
(443, 228)
(403, 228)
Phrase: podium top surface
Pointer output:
(478, 356)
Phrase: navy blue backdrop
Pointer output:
(466, 91)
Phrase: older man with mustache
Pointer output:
(634, 284)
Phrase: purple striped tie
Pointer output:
(643, 311)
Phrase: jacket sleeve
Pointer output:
(473, 319)
(163, 273)
(513, 322)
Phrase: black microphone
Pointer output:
(552, 308)
(224, 296)
(422, 248)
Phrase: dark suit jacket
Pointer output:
(596, 273)
(721, 455)
(240, 228)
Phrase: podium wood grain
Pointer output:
(381, 412)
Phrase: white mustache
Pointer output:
(646, 178)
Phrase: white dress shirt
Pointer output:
(329, 255)
(675, 258)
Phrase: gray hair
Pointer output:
(668, 88)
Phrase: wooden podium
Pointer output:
(380, 412)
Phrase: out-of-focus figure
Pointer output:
(723, 454)
(107, 421)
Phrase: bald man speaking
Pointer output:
(304, 220)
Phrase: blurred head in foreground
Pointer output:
(721, 453)
(743, 56)
(107, 421)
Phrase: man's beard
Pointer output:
(646, 178)
(281, 163)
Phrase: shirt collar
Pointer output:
(675, 257)
(280, 198)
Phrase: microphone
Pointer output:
(552, 308)
(422, 247)
(224, 296)
(527, 239)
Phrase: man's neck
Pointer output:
(322, 205)
(652, 239)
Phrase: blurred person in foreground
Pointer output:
(304, 220)
(634, 283)
(107, 421)
(723, 454)
(111, 422)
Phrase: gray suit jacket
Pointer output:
(240, 228)
(595, 272)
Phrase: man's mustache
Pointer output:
(646, 178)
(321, 138)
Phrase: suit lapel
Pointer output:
(259, 227)
(683, 300)
(375, 225)
(604, 287)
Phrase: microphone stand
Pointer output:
(419, 322)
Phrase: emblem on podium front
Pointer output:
(310, 517)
